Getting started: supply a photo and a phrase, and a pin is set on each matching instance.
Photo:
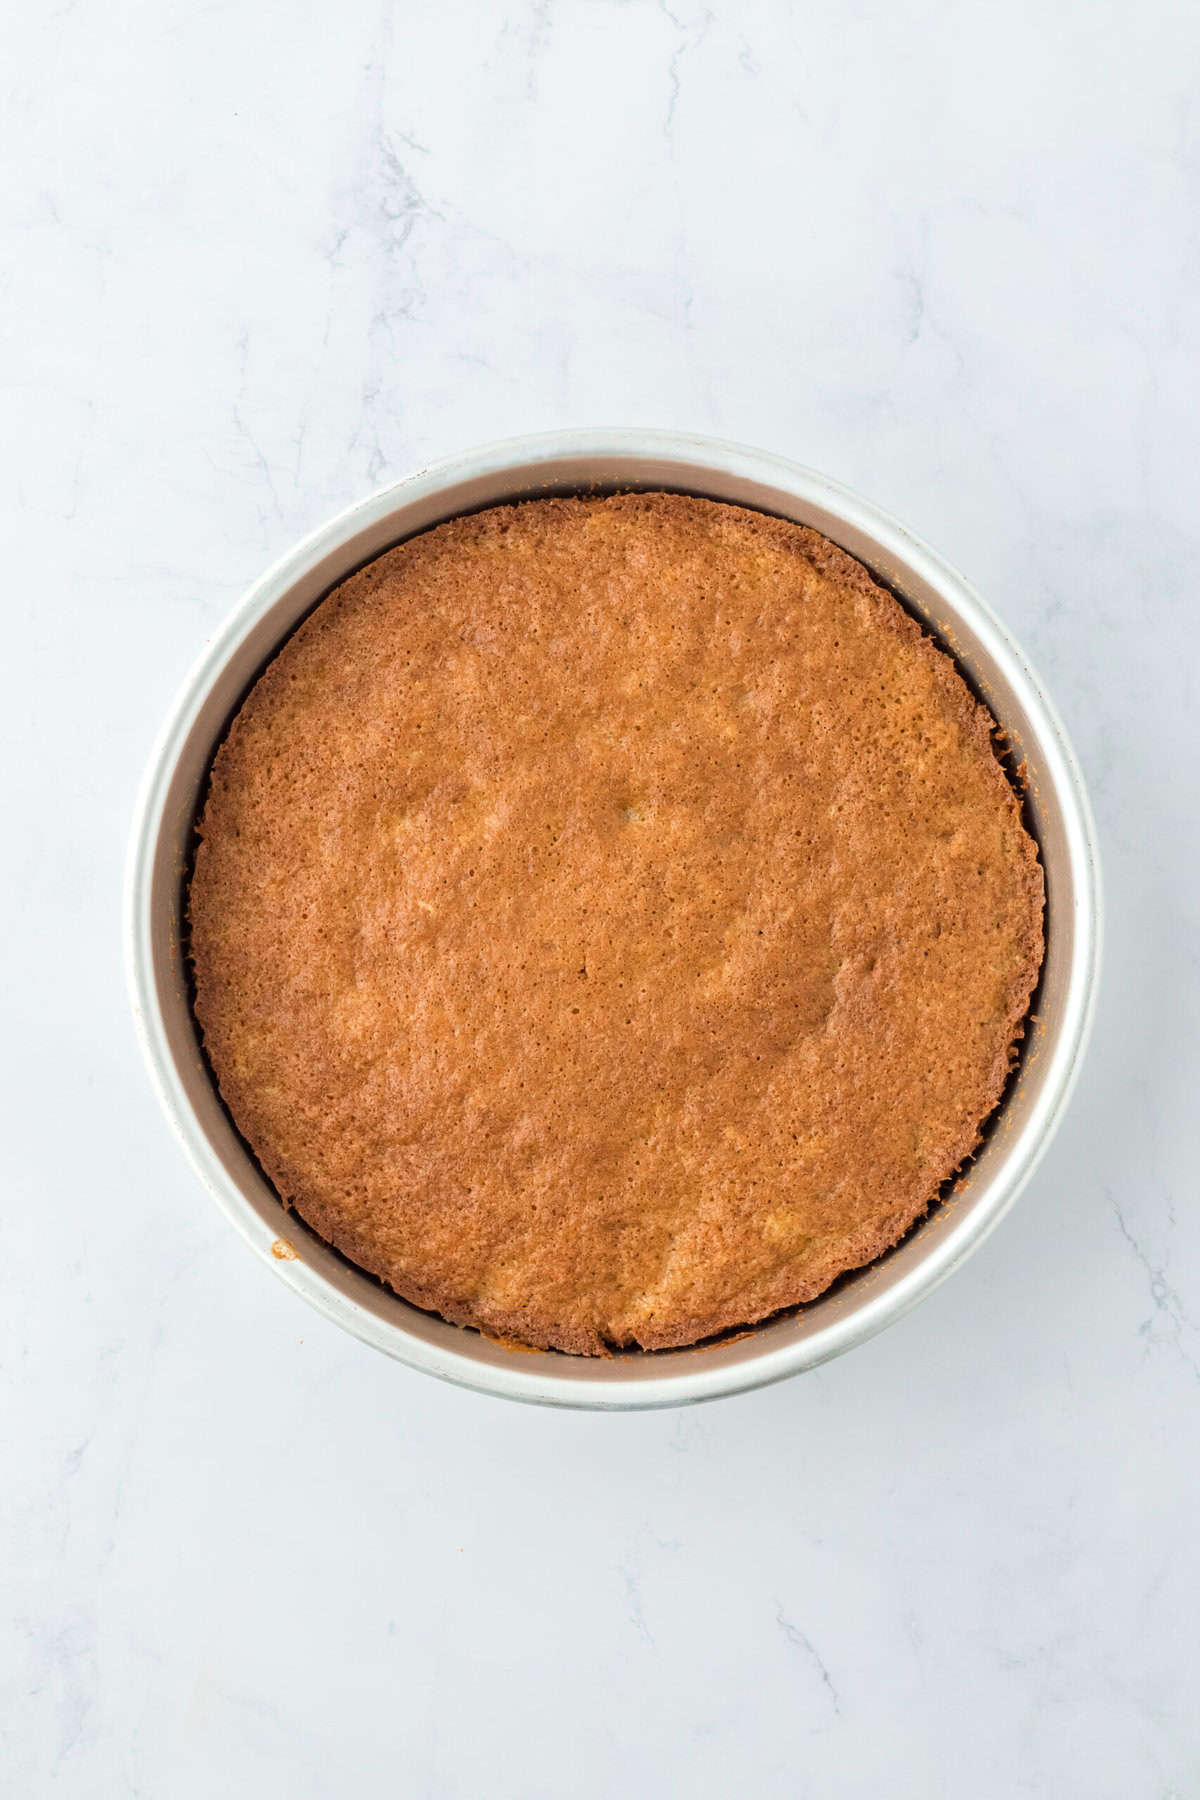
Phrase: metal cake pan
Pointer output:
(1057, 811)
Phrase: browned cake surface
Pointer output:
(611, 921)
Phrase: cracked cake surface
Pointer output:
(610, 919)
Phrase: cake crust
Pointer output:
(611, 921)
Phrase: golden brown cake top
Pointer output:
(611, 921)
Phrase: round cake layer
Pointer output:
(611, 921)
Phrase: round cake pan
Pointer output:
(1056, 808)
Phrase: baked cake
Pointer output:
(611, 920)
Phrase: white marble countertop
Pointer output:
(260, 259)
